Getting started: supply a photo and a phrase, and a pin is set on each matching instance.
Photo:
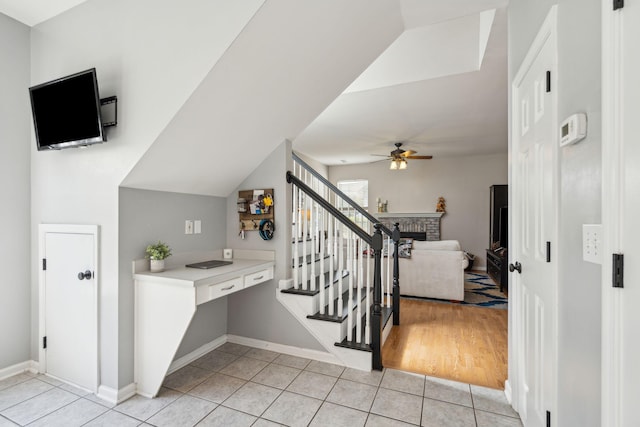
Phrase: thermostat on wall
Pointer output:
(573, 129)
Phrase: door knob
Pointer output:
(86, 275)
(517, 267)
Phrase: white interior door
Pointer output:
(69, 295)
(620, 213)
(533, 193)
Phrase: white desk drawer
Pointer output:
(258, 277)
(211, 292)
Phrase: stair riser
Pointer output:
(326, 333)
(325, 268)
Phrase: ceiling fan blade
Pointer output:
(380, 155)
(420, 157)
(408, 153)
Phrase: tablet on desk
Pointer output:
(209, 264)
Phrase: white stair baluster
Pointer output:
(332, 267)
(391, 247)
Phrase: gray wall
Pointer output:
(255, 312)
(579, 88)
(15, 139)
(146, 217)
(463, 181)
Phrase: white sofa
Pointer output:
(435, 270)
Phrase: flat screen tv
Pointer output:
(66, 112)
(504, 227)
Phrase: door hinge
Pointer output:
(618, 270)
(548, 251)
(44, 342)
(548, 81)
(548, 419)
(618, 4)
(44, 263)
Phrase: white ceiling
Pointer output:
(441, 88)
(33, 12)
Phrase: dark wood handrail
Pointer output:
(343, 196)
(292, 179)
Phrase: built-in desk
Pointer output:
(166, 302)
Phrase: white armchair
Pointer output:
(435, 270)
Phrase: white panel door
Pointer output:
(621, 210)
(533, 194)
(70, 312)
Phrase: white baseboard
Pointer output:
(18, 368)
(507, 391)
(114, 396)
(196, 354)
(320, 356)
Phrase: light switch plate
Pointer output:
(197, 226)
(592, 243)
(188, 227)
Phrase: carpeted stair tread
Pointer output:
(327, 283)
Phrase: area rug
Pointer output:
(479, 291)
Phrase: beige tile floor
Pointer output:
(236, 385)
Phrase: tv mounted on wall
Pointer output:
(66, 112)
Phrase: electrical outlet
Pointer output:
(188, 227)
(197, 226)
(592, 243)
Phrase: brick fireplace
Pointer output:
(414, 224)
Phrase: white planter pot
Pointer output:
(156, 265)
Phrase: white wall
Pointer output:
(255, 312)
(146, 217)
(152, 55)
(15, 140)
(463, 181)
(579, 85)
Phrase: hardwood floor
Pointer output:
(466, 344)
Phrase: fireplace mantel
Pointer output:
(410, 215)
(418, 222)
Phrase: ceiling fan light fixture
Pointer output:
(403, 164)
(393, 166)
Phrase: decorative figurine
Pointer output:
(441, 206)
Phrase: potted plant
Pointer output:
(157, 253)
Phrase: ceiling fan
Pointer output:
(399, 157)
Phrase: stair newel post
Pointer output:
(321, 240)
(360, 285)
(366, 255)
(352, 273)
(296, 236)
(340, 243)
(376, 318)
(332, 257)
(396, 274)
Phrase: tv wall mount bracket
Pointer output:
(109, 111)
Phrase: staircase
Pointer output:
(341, 288)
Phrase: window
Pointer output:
(357, 190)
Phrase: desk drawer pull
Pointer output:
(228, 287)
(258, 278)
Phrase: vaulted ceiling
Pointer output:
(341, 80)
(440, 88)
